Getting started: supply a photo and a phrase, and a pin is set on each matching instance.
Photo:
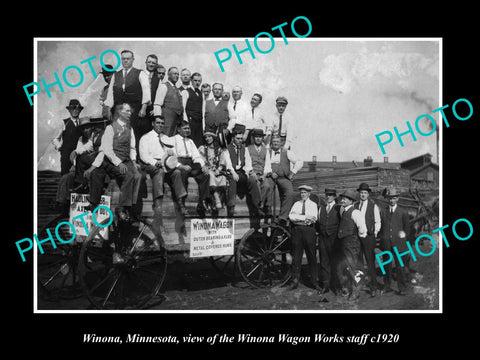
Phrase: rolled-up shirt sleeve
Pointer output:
(359, 220)
(159, 98)
(145, 84)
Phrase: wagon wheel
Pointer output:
(122, 267)
(57, 276)
(225, 265)
(263, 257)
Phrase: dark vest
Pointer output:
(369, 216)
(347, 226)
(233, 155)
(329, 222)
(70, 136)
(215, 116)
(133, 89)
(121, 141)
(173, 99)
(283, 168)
(194, 104)
(258, 158)
(154, 86)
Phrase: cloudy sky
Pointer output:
(341, 92)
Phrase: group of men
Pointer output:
(347, 234)
(155, 126)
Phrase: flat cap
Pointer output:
(305, 187)
(282, 99)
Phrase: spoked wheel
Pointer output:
(263, 257)
(124, 267)
(57, 276)
(225, 265)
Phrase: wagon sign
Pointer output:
(212, 237)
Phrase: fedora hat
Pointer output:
(107, 66)
(391, 192)
(258, 132)
(350, 194)
(170, 162)
(364, 186)
(84, 121)
(74, 103)
(330, 191)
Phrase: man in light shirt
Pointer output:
(130, 85)
(239, 110)
(118, 147)
(191, 164)
(285, 165)
(169, 102)
(351, 230)
(281, 122)
(257, 120)
(303, 216)
(371, 213)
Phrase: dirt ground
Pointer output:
(196, 285)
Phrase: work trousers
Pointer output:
(172, 121)
(304, 239)
(196, 130)
(400, 271)
(347, 265)
(129, 182)
(285, 190)
(367, 249)
(247, 187)
(328, 252)
(159, 177)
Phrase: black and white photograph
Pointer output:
(216, 158)
(224, 181)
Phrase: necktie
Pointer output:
(329, 207)
(280, 126)
(150, 77)
(237, 151)
(361, 205)
(391, 210)
(124, 78)
(186, 149)
(235, 105)
(303, 208)
(253, 113)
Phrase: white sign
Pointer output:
(77, 207)
(212, 237)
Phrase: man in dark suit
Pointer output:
(152, 69)
(394, 232)
(327, 227)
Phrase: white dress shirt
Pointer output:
(240, 113)
(185, 147)
(258, 120)
(144, 83)
(287, 125)
(376, 214)
(296, 216)
(295, 163)
(358, 219)
(150, 149)
(107, 144)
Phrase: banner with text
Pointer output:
(212, 237)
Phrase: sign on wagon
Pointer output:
(77, 207)
(212, 237)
